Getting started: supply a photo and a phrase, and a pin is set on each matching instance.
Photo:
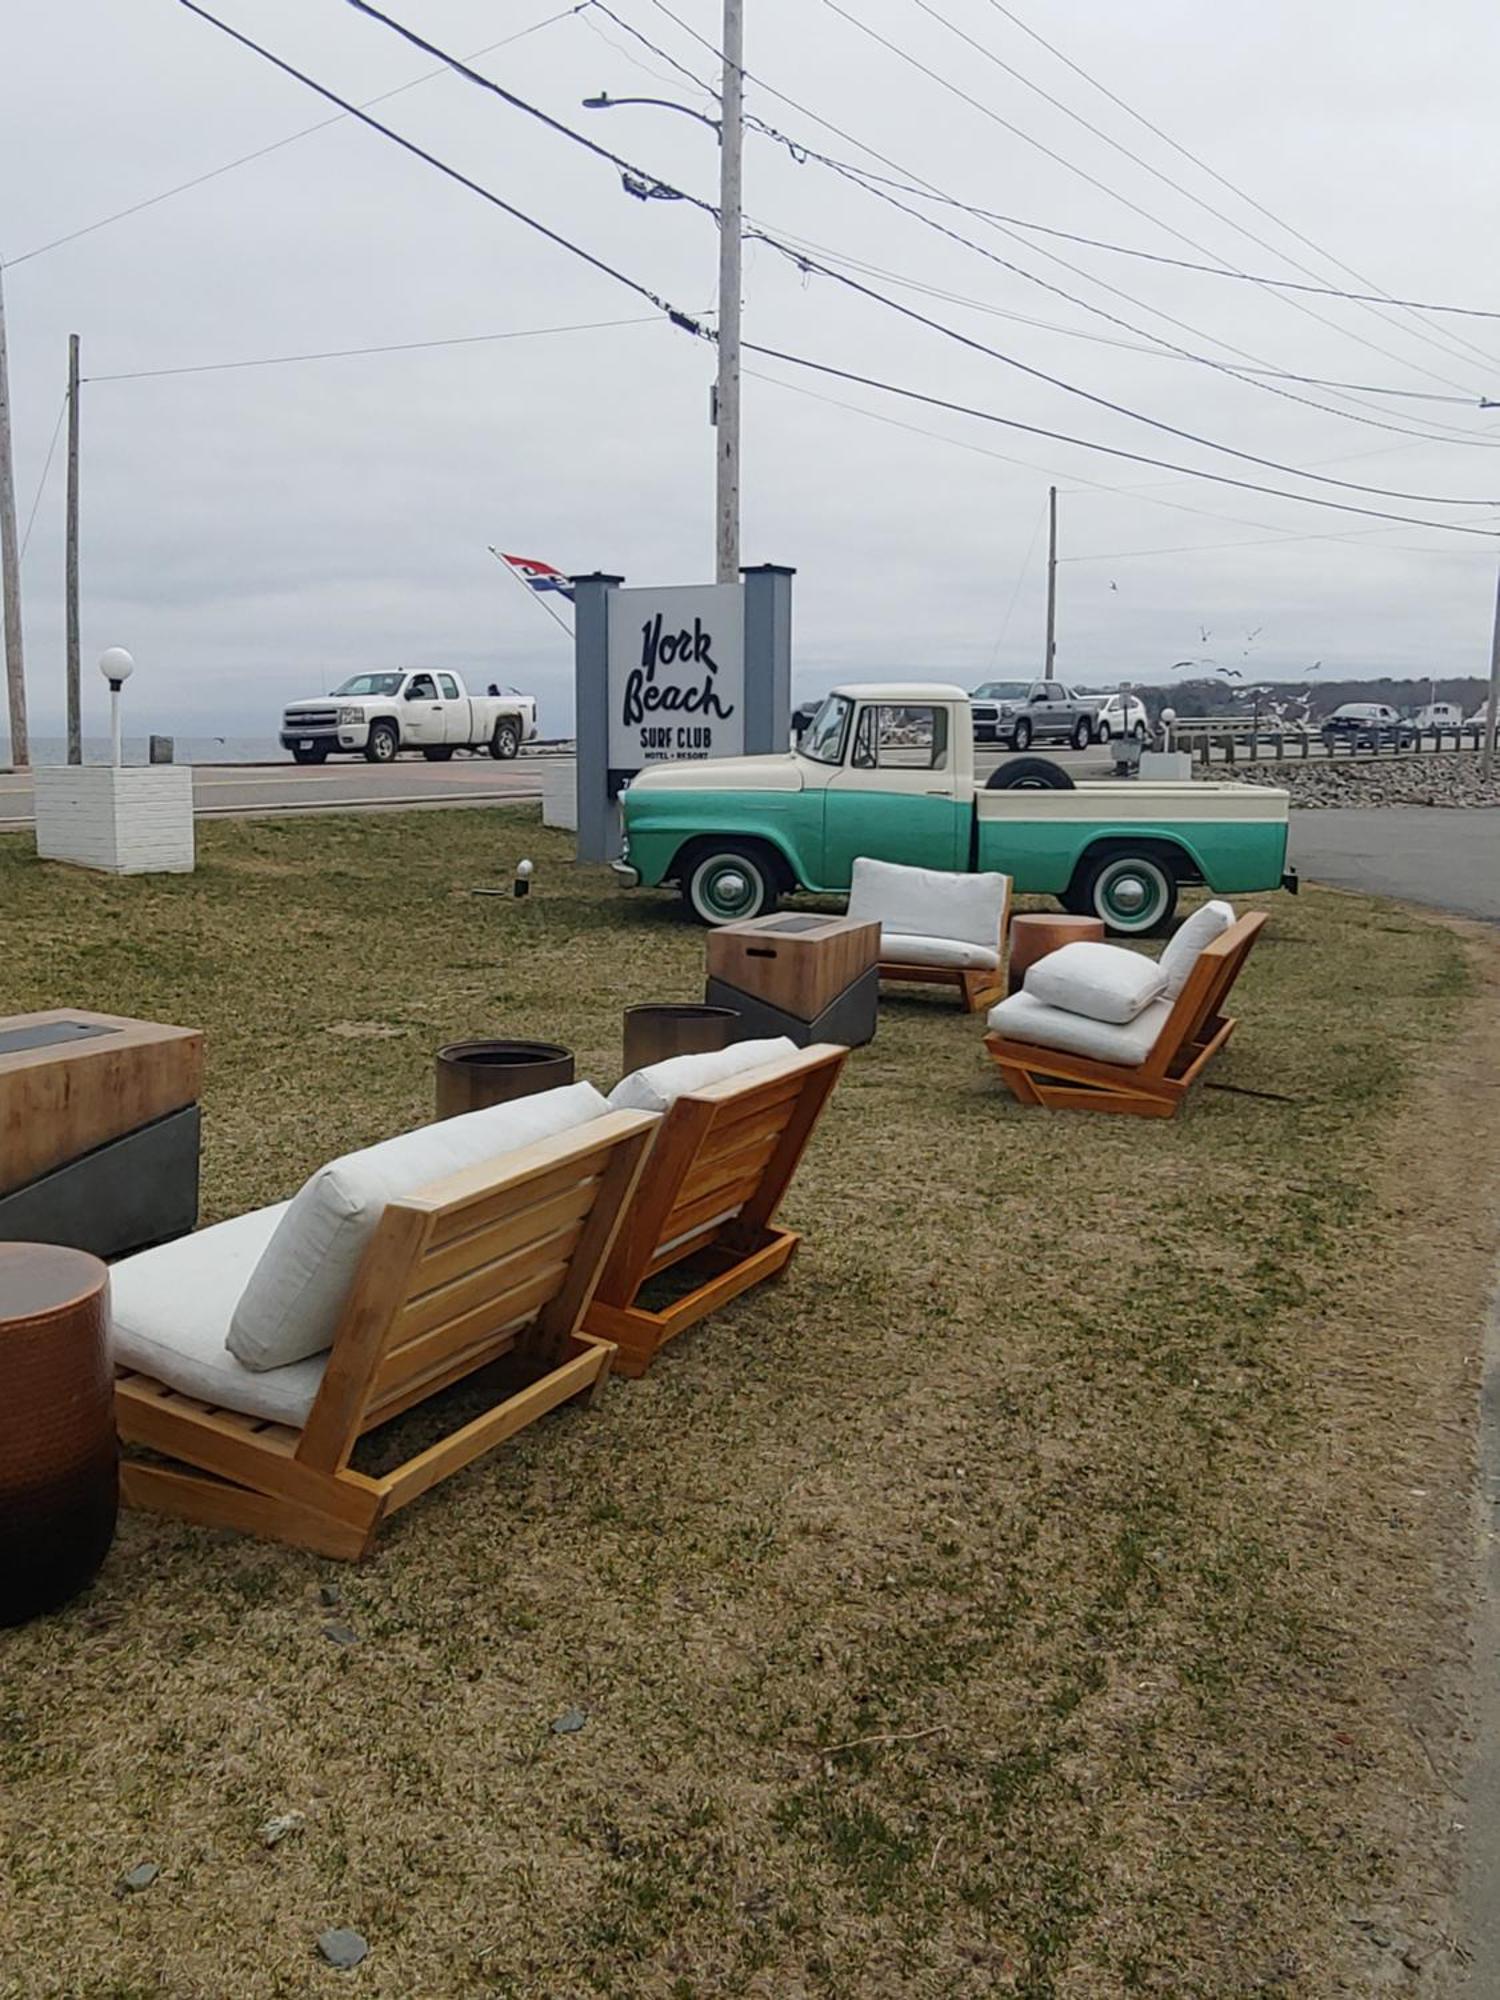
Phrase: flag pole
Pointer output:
(536, 596)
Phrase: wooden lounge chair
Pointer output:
(496, 1259)
(937, 928)
(720, 1165)
(1161, 1055)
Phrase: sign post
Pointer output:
(679, 673)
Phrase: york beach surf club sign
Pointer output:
(676, 675)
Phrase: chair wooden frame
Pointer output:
(1191, 1036)
(497, 1259)
(979, 987)
(730, 1146)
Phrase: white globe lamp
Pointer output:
(117, 666)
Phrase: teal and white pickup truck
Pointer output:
(888, 771)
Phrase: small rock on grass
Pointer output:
(138, 1878)
(570, 1722)
(343, 1949)
(330, 1596)
(341, 1634)
(280, 1825)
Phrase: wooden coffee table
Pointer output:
(1033, 937)
(98, 1130)
(815, 979)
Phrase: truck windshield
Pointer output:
(1002, 691)
(370, 684)
(823, 738)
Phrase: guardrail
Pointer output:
(1230, 738)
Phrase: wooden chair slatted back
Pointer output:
(1207, 987)
(732, 1145)
(470, 1267)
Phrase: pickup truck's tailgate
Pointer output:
(1234, 836)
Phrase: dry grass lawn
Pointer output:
(1055, 1587)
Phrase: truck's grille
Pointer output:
(309, 719)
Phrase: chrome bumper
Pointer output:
(625, 875)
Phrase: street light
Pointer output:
(116, 666)
(730, 129)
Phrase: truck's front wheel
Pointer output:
(506, 741)
(383, 743)
(728, 884)
(1134, 893)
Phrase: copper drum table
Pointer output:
(59, 1459)
(471, 1076)
(655, 1034)
(1033, 937)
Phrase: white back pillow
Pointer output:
(928, 902)
(1208, 921)
(1103, 981)
(290, 1307)
(659, 1085)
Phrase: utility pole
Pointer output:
(1049, 665)
(10, 568)
(1492, 712)
(75, 691)
(727, 388)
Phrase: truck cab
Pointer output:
(887, 771)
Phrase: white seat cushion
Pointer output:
(170, 1309)
(900, 948)
(658, 1086)
(1208, 921)
(929, 902)
(1024, 1018)
(1104, 981)
(290, 1307)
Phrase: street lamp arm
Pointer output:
(604, 102)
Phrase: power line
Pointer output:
(1443, 343)
(872, 183)
(637, 174)
(679, 319)
(392, 347)
(260, 153)
(1214, 174)
(1060, 159)
(62, 411)
(683, 321)
(1109, 450)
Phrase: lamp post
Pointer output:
(116, 666)
(726, 406)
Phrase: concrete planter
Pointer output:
(137, 820)
(560, 793)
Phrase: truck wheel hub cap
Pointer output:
(730, 887)
(1129, 894)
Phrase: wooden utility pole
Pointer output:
(727, 388)
(1492, 712)
(75, 688)
(1050, 663)
(10, 569)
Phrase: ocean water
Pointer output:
(185, 750)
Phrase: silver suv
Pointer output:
(1021, 713)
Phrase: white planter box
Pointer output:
(134, 821)
(1174, 765)
(560, 793)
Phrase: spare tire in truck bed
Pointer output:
(1028, 774)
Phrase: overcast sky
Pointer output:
(253, 534)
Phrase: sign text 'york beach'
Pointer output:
(645, 696)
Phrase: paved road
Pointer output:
(1444, 857)
(223, 789)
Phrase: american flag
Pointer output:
(541, 576)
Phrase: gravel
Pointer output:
(1448, 780)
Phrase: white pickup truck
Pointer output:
(378, 715)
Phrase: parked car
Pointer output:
(1439, 715)
(378, 715)
(888, 771)
(1121, 715)
(1368, 725)
(1021, 713)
